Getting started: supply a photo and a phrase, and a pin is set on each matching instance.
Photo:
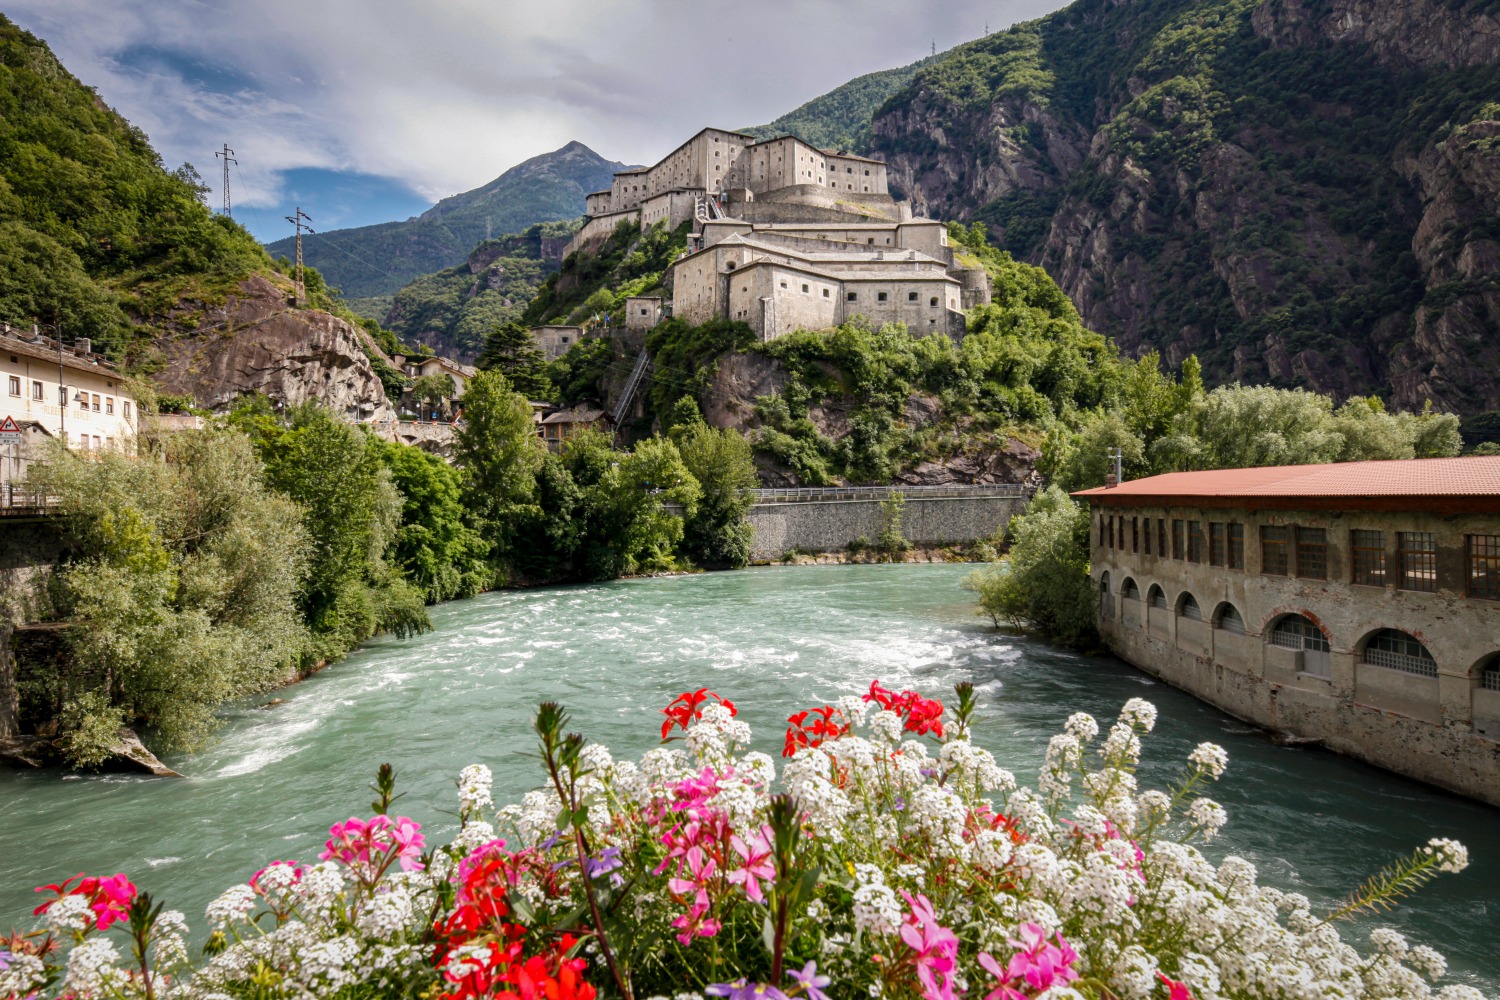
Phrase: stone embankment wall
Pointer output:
(828, 525)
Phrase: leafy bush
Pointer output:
(1045, 583)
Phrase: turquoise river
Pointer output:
(774, 640)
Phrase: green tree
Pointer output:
(500, 454)
(510, 349)
(627, 526)
(717, 535)
(1045, 581)
(351, 510)
(435, 547)
(182, 590)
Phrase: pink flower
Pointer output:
(758, 863)
(1001, 990)
(695, 923)
(406, 837)
(935, 948)
(113, 895)
(1037, 963)
(1179, 991)
(368, 847)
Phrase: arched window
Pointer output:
(1104, 582)
(1187, 607)
(1130, 590)
(1228, 618)
(1489, 673)
(1155, 597)
(1298, 632)
(729, 266)
(1395, 649)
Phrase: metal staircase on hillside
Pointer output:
(632, 386)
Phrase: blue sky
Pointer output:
(366, 111)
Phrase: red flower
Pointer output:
(686, 709)
(921, 715)
(802, 733)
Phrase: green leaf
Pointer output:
(564, 819)
(768, 934)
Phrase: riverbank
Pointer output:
(614, 653)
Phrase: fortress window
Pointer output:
(867, 173)
(805, 288)
(1216, 543)
(1416, 558)
(881, 296)
(825, 293)
(933, 302)
(1482, 566)
(851, 297)
(15, 385)
(783, 284)
(1312, 553)
(871, 241)
(911, 296)
(849, 170)
(1273, 557)
(1195, 541)
(1236, 545)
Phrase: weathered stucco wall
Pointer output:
(1172, 613)
(831, 525)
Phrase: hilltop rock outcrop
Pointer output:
(257, 343)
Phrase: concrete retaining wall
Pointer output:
(825, 526)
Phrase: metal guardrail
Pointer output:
(17, 500)
(824, 494)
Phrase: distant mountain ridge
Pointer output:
(379, 260)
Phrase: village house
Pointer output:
(1355, 604)
(428, 409)
(59, 392)
(561, 426)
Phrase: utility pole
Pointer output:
(296, 220)
(934, 46)
(228, 157)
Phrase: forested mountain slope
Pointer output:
(840, 119)
(96, 237)
(378, 260)
(1305, 192)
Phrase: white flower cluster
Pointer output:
(1087, 854)
(474, 785)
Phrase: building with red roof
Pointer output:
(1354, 603)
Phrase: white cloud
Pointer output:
(443, 96)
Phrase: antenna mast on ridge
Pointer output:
(296, 220)
(228, 157)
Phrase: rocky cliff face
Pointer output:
(1298, 191)
(256, 343)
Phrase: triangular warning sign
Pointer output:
(9, 426)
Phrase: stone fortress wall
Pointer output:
(831, 525)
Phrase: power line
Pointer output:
(228, 157)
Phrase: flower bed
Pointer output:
(897, 860)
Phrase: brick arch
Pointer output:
(1294, 609)
(1489, 661)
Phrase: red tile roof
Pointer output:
(1444, 485)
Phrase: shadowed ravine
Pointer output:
(773, 640)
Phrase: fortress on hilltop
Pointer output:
(787, 236)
